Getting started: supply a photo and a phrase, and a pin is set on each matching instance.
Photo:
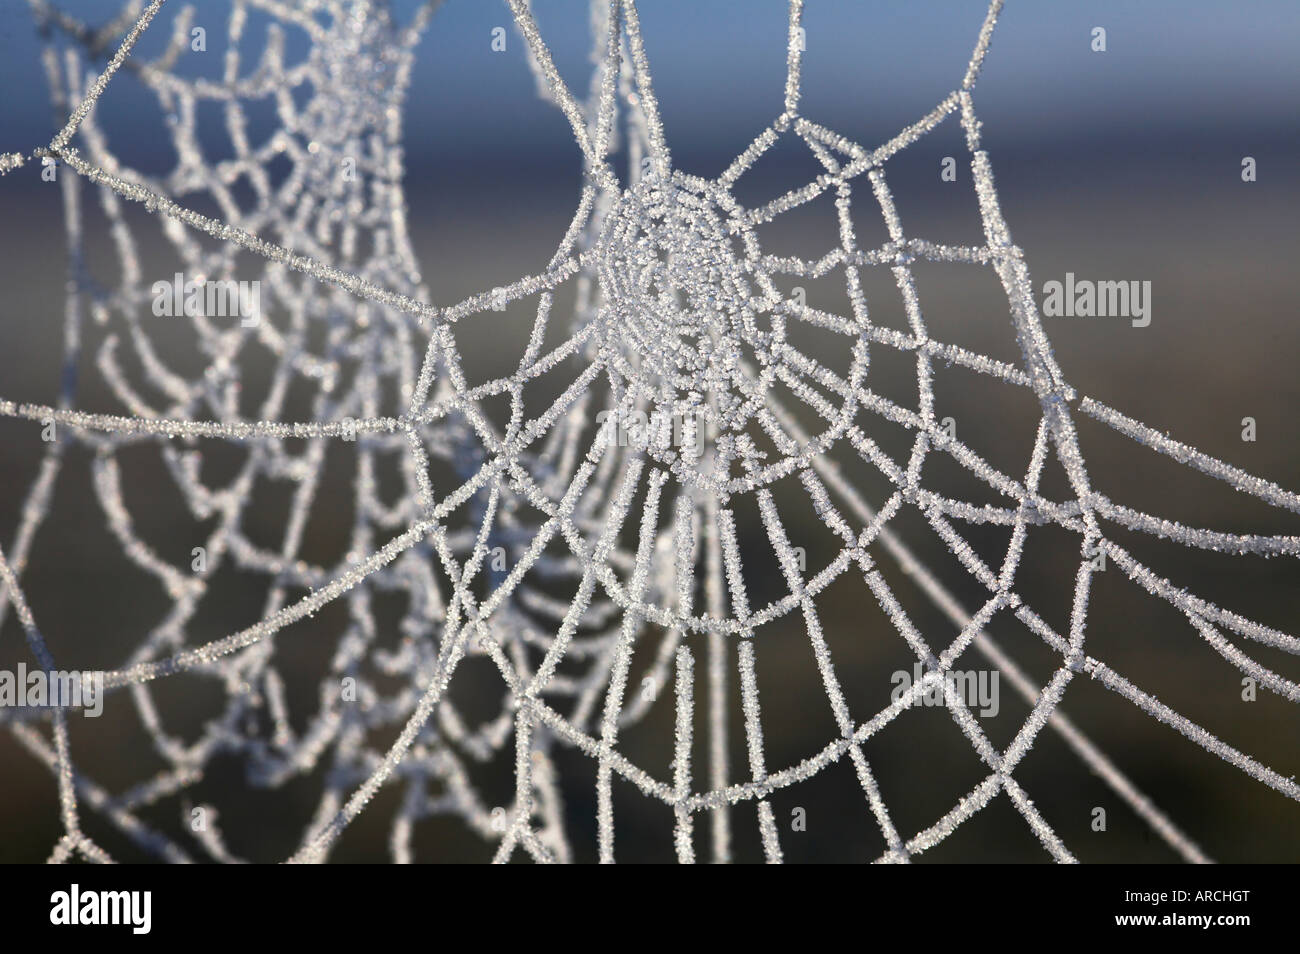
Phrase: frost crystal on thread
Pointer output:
(678, 347)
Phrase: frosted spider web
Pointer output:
(678, 317)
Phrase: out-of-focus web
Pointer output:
(677, 318)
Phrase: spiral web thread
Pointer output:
(676, 313)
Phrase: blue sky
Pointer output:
(870, 67)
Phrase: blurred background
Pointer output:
(1116, 165)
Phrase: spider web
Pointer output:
(679, 322)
